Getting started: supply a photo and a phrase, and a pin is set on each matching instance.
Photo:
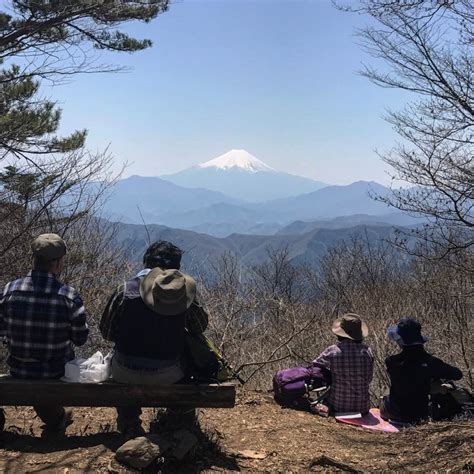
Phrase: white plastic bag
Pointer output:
(95, 369)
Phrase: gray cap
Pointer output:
(49, 247)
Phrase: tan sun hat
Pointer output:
(350, 325)
(49, 247)
(168, 292)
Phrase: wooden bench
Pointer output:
(18, 392)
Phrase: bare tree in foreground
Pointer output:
(426, 48)
(261, 326)
(48, 181)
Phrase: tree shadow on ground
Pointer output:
(63, 462)
(210, 454)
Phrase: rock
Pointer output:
(186, 442)
(142, 451)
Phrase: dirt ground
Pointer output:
(256, 436)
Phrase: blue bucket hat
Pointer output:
(407, 332)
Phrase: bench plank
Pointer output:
(18, 392)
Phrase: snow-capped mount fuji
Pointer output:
(237, 159)
(242, 176)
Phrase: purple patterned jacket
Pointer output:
(351, 364)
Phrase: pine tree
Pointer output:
(48, 38)
(49, 182)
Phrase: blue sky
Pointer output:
(277, 78)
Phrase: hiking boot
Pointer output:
(171, 420)
(58, 429)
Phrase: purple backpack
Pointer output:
(290, 386)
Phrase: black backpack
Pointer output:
(451, 402)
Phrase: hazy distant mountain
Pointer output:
(303, 227)
(156, 198)
(242, 176)
(220, 220)
(299, 227)
(214, 213)
(252, 218)
(330, 202)
(224, 229)
(202, 251)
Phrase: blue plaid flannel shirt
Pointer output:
(41, 319)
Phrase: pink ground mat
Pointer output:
(371, 421)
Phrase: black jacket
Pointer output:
(143, 333)
(411, 373)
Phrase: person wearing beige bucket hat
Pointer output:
(168, 292)
(147, 318)
(350, 326)
(42, 320)
(351, 365)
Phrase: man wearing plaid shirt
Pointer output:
(351, 364)
(41, 320)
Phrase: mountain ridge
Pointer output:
(324, 204)
(242, 176)
(201, 251)
(153, 200)
(153, 197)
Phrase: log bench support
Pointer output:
(18, 392)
